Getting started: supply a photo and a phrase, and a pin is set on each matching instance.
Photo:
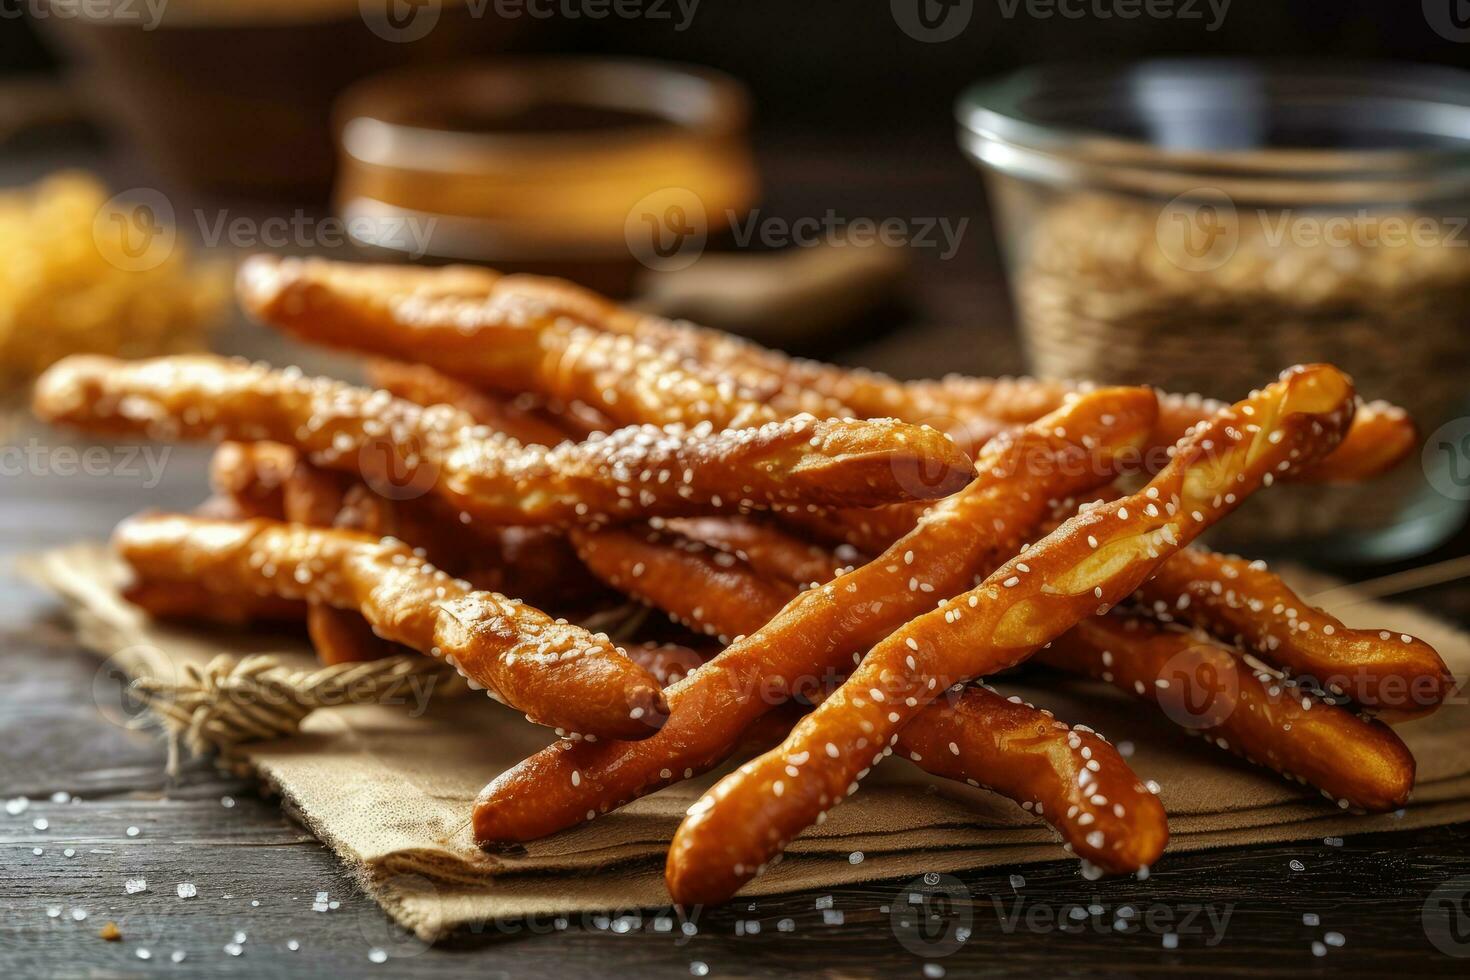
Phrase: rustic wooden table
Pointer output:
(101, 813)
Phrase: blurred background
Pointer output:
(807, 174)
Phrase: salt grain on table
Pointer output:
(135, 885)
(187, 889)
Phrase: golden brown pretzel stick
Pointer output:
(560, 675)
(634, 472)
(1091, 562)
(252, 475)
(1242, 601)
(1381, 436)
(1244, 707)
(506, 341)
(425, 386)
(668, 663)
(695, 584)
(1076, 781)
(768, 549)
(814, 637)
(191, 602)
(314, 497)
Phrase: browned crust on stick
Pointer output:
(1093, 561)
(1239, 704)
(411, 450)
(560, 675)
(813, 638)
(1242, 601)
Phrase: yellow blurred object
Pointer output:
(82, 272)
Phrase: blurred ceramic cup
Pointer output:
(235, 95)
(1201, 225)
(588, 168)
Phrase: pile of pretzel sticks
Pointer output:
(844, 558)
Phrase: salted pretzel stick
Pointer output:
(1239, 704)
(505, 340)
(560, 675)
(769, 550)
(1074, 780)
(813, 638)
(426, 386)
(634, 472)
(697, 585)
(190, 602)
(1382, 435)
(1241, 600)
(252, 475)
(1093, 561)
(314, 497)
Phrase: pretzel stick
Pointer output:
(632, 473)
(191, 602)
(1244, 707)
(1074, 780)
(314, 497)
(560, 675)
(252, 475)
(770, 551)
(1242, 601)
(813, 638)
(696, 585)
(1087, 565)
(425, 386)
(668, 663)
(1381, 436)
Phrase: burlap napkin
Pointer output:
(389, 787)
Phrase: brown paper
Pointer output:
(389, 788)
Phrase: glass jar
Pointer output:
(1200, 225)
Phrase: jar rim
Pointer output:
(1238, 121)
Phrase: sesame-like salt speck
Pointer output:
(1018, 882)
(178, 956)
(1311, 919)
(377, 956)
(699, 968)
(187, 889)
(227, 802)
(824, 902)
(135, 885)
(143, 953)
(17, 805)
(1334, 939)
(293, 945)
(1296, 865)
(53, 911)
(79, 915)
(856, 857)
(40, 823)
(832, 917)
(933, 971)
(1318, 949)
(132, 831)
(1171, 940)
(234, 949)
